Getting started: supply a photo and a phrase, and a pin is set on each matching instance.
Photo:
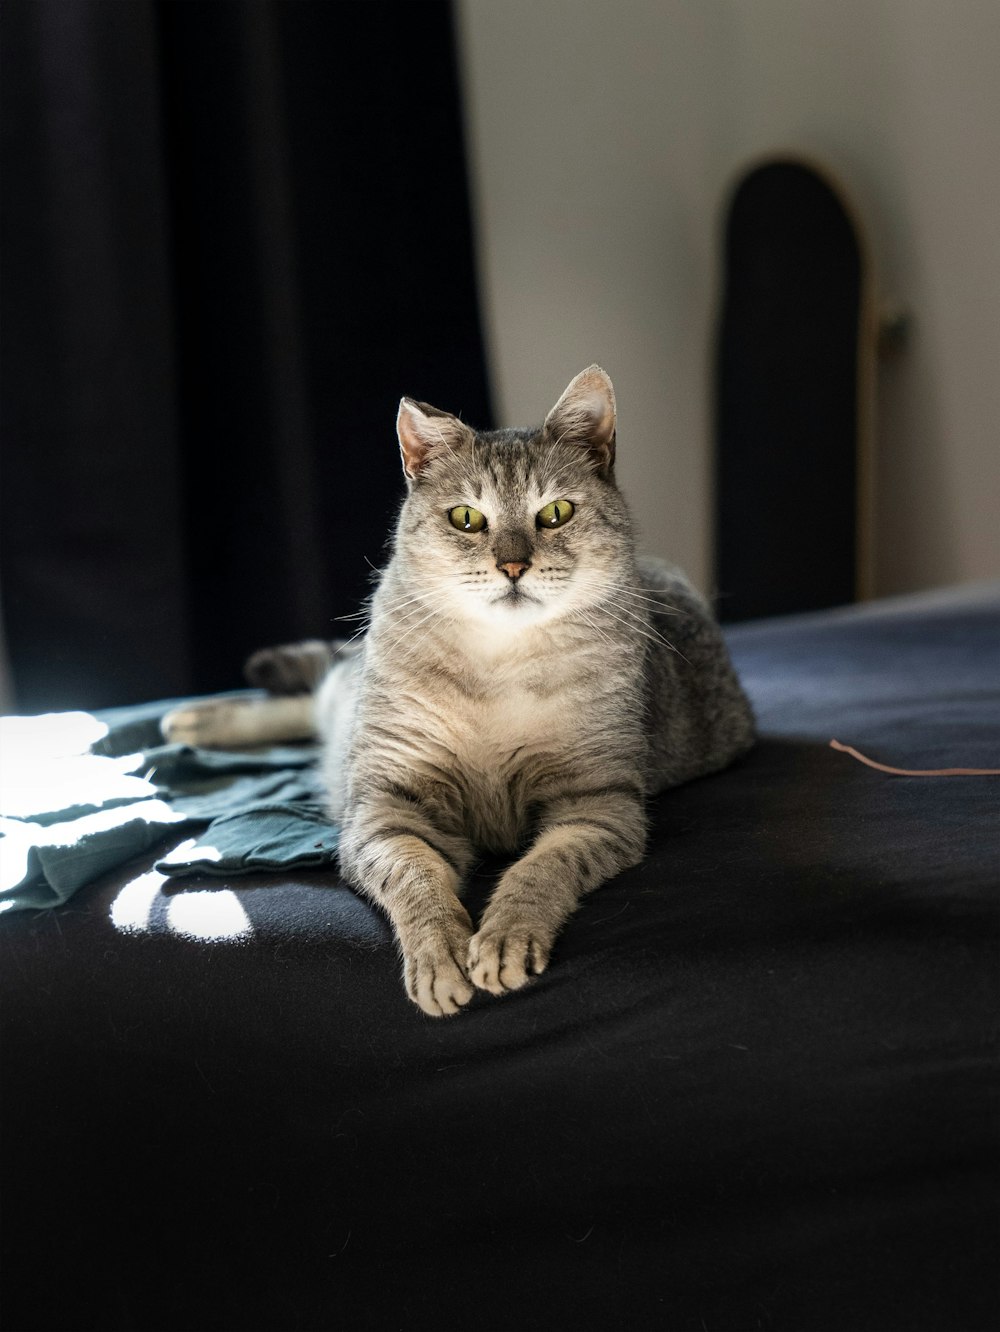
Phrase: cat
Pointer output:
(524, 684)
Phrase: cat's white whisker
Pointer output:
(638, 621)
(435, 611)
(601, 633)
(615, 590)
(417, 607)
(360, 633)
(620, 590)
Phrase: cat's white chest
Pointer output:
(520, 718)
(517, 721)
(505, 755)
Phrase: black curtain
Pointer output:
(235, 232)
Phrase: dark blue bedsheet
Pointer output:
(755, 1089)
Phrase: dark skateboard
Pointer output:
(793, 389)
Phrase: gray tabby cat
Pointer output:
(524, 685)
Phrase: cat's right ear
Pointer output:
(426, 433)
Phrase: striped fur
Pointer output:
(530, 716)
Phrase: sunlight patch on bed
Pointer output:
(15, 848)
(182, 852)
(132, 908)
(211, 915)
(20, 838)
(50, 735)
(47, 767)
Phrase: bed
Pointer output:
(755, 1089)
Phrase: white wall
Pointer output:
(604, 135)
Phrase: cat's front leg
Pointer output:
(413, 871)
(581, 843)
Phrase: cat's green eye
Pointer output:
(466, 519)
(555, 514)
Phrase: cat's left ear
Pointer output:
(586, 414)
(425, 433)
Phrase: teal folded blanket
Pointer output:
(82, 793)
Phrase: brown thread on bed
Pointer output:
(915, 772)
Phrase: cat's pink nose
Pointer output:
(514, 569)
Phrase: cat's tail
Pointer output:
(291, 674)
(296, 668)
(241, 723)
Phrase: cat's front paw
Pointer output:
(507, 953)
(434, 971)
